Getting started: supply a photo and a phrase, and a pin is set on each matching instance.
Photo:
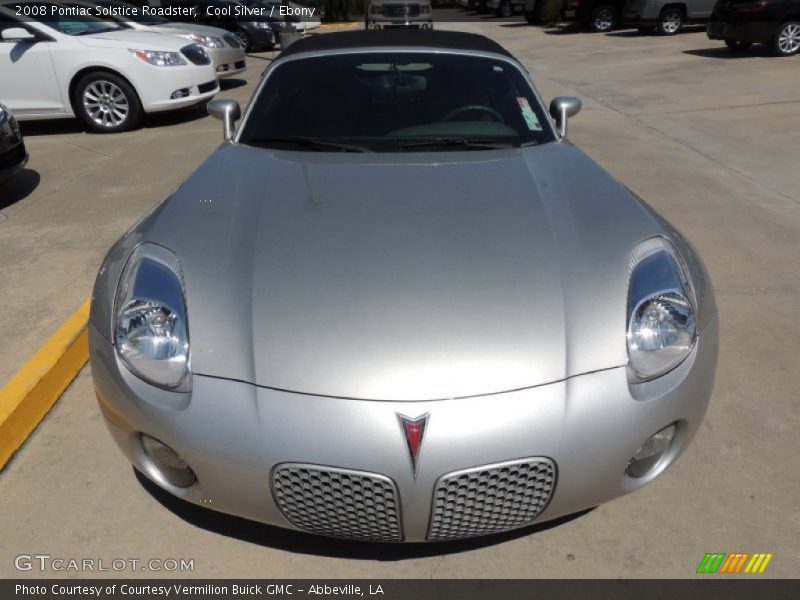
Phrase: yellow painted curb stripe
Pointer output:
(340, 25)
(31, 393)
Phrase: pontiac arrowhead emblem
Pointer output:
(414, 430)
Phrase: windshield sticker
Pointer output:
(528, 114)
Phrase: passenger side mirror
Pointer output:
(18, 34)
(562, 108)
(227, 111)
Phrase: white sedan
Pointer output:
(57, 63)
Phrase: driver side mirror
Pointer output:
(227, 111)
(562, 108)
(18, 34)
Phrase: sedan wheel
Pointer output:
(787, 40)
(107, 103)
(604, 18)
(738, 44)
(670, 21)
(244, 40)
(505, 9)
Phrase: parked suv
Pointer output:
(742, 23)
(384, 14)
(596, 15)
(666, 17)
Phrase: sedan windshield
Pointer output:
(70, 20)
(396, 102)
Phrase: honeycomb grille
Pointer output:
(338, 502)
(491, 498)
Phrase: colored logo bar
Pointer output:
(736, 562)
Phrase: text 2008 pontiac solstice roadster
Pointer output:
(398, 305)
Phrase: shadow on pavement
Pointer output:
(18, 188)
(231, 84)
(628, 32)
(726, 53)
(305, 543)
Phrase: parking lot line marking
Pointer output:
(34, 389)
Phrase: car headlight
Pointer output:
(261, 24)
(207, 41)
(150, 328)
(159, 58)
(425, 9)
(661, 313)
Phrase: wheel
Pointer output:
(738, 44)
(646, 29)
(107, 103)
(505, 9)
(604, 18)
(787, 39)
(670, 21)
(244, 39)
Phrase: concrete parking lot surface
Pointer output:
(708, 138)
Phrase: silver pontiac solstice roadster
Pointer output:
(396, 304)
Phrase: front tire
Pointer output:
(787, 39)
(737, 45)
(107, 103)
(604, 18)
(670, 21)
(505, 10)
(244, 39)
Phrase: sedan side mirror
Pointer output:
(227, 111)
(18, 34)
(562, 108)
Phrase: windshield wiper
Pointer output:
(469, 143)
(310, 142)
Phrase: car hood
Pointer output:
(188, 29)
(128, 38)
(403, 276)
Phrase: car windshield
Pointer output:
(129, 12)
(396, 102)
(70, 20)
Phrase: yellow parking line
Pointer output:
(33, 390)
(340, 25)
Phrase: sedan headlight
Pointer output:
(159, 58)
(261, 24)
(150, 328)
(207, 41)
(661, 313)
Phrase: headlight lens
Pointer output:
(661, 323)
(151, 332)
(261, 24)
(160, 59)
(207, 41)
(425, 9)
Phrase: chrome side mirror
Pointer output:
(562, 108)
(227, 111)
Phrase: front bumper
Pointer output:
(227, 61)
(234, 435)
(157, 86)
(12, 160)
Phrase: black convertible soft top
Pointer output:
(449, 40)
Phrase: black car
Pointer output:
(596, 15)
(254, 33)
(742, 23)
(13, 156)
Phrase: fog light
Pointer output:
(181, 93)
(222, 68)
(651, 452)
(169, 463)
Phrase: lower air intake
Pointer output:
(338, 502)
(491, 498)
